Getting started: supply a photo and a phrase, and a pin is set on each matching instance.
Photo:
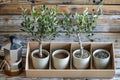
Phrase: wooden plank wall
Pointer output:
(107, 29)
(108, 25)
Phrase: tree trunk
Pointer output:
(80, 44)
(40, 49)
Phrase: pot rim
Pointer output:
(97, 50)
(36, 50)
(74, 52)
(61, 50)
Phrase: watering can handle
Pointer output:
(11, 40)
(3, 63)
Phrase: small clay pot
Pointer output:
(60, 59)
(101, 58)
(80, 62)
(40, 63)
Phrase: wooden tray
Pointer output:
(70, 71)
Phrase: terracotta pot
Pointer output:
(81, 63)
(101, 63)
(40, 63)
(60, 59)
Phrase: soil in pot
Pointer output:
(61, 55)
(85, 54)
(101, 54)
(36, 55)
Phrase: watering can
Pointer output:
(13, 50)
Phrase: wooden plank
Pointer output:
(12, 9)
(14, 2)
(95, 1)
(113, 9)
(97, 37)
(53, 1)
(111, 1)
(77, 1)
(15, 26)
(107, 9)
(105, 23)
(62, 1)
(102, 20)
(109, 37)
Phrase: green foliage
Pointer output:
(84, 21)
(66, 23)
(41, 24)
(79, 23)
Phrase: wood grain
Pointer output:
(107, 30)
(97, 37)
(95, 1)
(12, 9)
(15, 9)
(105, 23)
(61, 1)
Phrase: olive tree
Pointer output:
(40, 24)
(79, 23)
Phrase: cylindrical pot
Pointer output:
(40, 63)
(99, 61)
(60, 59)
(79, 62)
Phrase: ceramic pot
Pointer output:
(101, 63)
(40, 63)
(60, 59)
(81, 63)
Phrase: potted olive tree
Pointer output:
(78, 24)
(40, 25)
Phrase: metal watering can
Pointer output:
(13, 51)
(12, 62)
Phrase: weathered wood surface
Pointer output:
(13, 6)
(105, 23)
(107, 29)
(62, 1)
(15, 9)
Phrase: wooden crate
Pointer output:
(70, 71)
